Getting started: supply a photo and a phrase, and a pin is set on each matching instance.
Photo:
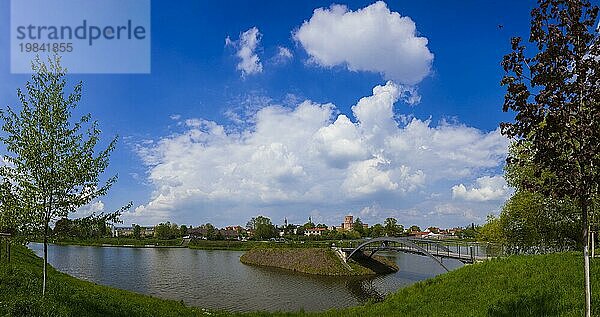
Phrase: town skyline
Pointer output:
(345, 225)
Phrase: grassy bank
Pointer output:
(320, 261)
(232, 245)
(543, 285)
(547, 285)
(21, 285)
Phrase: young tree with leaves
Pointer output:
(555, 95)
(53, 161)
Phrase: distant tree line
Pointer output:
(91, 227)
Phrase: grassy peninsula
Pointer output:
(540, 285)
(320, 261)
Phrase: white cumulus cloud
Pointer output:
(289, 161)
(485, 188)
(372, 39)
(246, 51)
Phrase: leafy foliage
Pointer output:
(262, 228)
(93, 226)
(53, 163)
(166, 230)
(555, 96)
(392, 229)
(137, 231)
(358, 226)
(55, 166)
(377, 230)
(14, 216)
(414, 228)
(531, 221)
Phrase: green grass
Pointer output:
(546, 285)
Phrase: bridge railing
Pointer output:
(475, 249)
(456, 249)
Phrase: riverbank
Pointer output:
(198, 244)
(121, 242)
(541, 285)
(318, 261)
(21, 285)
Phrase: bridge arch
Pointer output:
(404, 241)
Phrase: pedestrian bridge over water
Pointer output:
(436, 250)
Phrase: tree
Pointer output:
(174, 231)
(211, 231)
(95, 225)
(414, 228)
(63, 227)
(262, 227)
(531, 220)
(358, 226)
(14, 216)
(492, 231)
(391, 227)
(435, 230)
(137, 231)
(309, 225)
(555, 96)
(377, 230)
(166, 230)
(54, 165)
(183, 230)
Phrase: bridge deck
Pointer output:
(462, 256)
(435, 250)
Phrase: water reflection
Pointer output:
(217, 279)
(364, 290)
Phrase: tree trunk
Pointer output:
(586, 259)
(44, 278)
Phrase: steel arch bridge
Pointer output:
(432, 249)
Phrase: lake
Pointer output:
(217, 280)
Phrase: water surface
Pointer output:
(217, 280)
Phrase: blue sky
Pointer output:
(205, 140)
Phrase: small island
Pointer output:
(318, 261)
